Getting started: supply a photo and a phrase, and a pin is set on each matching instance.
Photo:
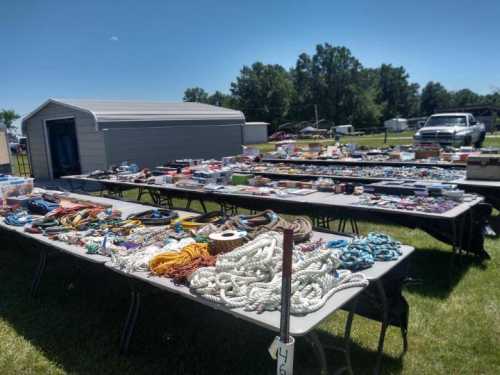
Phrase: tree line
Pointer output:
(339, 87)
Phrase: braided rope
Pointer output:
(267, 221)
(164, 263)
(362, 252)
(249, 277)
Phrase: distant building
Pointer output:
(396, 124)
(255, 133)
(78, 136)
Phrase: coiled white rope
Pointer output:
(250, 277)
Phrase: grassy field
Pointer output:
(20, 165)
(73, 327)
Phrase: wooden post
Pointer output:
(286, 344)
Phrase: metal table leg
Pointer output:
(42, 264)
(139, 195)
(319, 348)
(131, 320)
(202, 203)
(347, 337)
(383, 329)
(471, 224)
(454, 249)
(313, 339)
(457, 227)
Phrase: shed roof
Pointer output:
(256, 123)
(121, 110)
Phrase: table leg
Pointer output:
(42, 264)
(454, 249)
(354, 226)
(344, 223)
(202, 203)
(170, 202)
(347, 336)
(460, 234)
(471, 224)
(385, 322)
(139, 195)
(319, 348)
(313, 339)
(131, 320)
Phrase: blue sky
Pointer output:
(153, 50)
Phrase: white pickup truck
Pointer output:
(451, 129)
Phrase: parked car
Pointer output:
(451, 129)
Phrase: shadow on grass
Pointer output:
(435, 274)
(77, 319)
(362, 360)
(494, 221)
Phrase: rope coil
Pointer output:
(249, 277)
(362, 252)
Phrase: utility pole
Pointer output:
(316, 114)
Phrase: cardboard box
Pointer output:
(425, 153)
(483, 167)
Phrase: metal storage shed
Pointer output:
(255, 132)
(79, 136)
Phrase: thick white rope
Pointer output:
(250, 277)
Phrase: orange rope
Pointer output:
(163, 263)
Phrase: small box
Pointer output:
(483, 167)
(426, 153)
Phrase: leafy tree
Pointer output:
(464, 97)
(263, 92)
(337, 80)
(8, 116)
(195, 94)
(434, 96)
(413, 100)
(398, 97)
(366, 111)
(302, 101)
(493, 98)
(218, 98)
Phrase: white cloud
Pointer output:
(114, 38)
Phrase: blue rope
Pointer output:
(18, 219)
(43, 205)
(384, 248)
(357, 255)
(362, 253)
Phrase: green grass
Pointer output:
(73, 327)
(17, 162)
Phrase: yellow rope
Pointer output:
(164, 262)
